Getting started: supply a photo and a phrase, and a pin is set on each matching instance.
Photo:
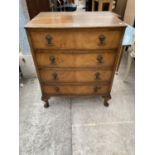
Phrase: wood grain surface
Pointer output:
(53, 75)
(76, 39)
(75, 53)
(75, 60)
(75, 20)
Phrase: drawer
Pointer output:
(49, 75)
(75, 60)
(76, 89)
(76, 39)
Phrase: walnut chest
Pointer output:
(75, 53)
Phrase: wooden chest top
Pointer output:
(75, 20)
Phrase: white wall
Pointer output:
(25, 58)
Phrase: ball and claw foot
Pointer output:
(106, 104)
(106, 99)
(45, 100)
(46, 105)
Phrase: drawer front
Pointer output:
(75, 60)
(76, 90)
(74, 76)
(76, 39)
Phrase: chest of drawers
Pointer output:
(75, 54)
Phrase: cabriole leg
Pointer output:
(106, 99)
(45, 99)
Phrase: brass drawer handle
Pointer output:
(97, 76)
(57, 89)
(55, 76)
(100, 59)
(96, 89)
(52, 59)
(101, 39)
(49, 39)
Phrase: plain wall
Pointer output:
(130, 12)
(23, 19)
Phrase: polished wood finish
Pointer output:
(74, 90)
(119, 58)
(74, 54)
(74, 39)
(75, 60)
(54, 75)
(72, 20)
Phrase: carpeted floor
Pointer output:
(81, 125)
